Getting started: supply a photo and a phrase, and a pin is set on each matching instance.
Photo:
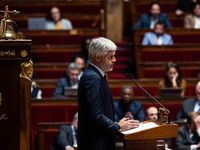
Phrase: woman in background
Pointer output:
(54, 20)
(173, 79)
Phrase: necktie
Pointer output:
(193, 138)
(157, 41)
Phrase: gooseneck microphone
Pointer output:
(130, 76)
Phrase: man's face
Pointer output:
(80, 62)
(197, 10)
(107, 62)
(126, 96)
(152, 114)
(198, 94)
(73, 75)
(192, 125)
(155, 10)
(159, 29)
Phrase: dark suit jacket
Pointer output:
(62, 83)
(96, 126)
(187, 106)
(183, 139)
(63, 138)
(136, 109)
(144, 21)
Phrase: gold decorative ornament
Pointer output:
(7, 28)
(0, 99)
(26, 69)
(24, 53)
(8, 53)
(3, 117)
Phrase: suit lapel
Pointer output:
(106, 86)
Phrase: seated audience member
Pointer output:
(127, 107)
(71, 80)
(185, 6)
(158, 37)
(35, 91)
(189, 134)
(173, 78)
(192, 21)
(80, 60)
(149, 20)
(152, 113)
(189, 105)
(84, 48)
(65, 138)
(55, 21)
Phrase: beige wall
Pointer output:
(114, 20)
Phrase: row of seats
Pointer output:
(63, 113)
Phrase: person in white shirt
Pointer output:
(157, 37)
(189, 134)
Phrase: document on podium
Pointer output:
(142, 127)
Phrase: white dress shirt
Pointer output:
(196, 22)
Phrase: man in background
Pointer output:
(149, 20)
(158, 37)
(127, 106)
(189, 134)
(189, 105)
(152, 113)
(65, 138)
(70, 81)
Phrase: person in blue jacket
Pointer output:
(127, 107)
(149, 20)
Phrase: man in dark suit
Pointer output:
(189, 105)
(70, 81)
(149, 20)
(65, 138)
(189, 134)
(96, 126)
(127, 107)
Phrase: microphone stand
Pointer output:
(130, 76)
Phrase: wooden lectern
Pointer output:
(15, 96)
(149, 139)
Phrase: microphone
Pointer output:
(130, 76)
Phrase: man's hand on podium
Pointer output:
(126, 124)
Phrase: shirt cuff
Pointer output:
(67, 146)
(193, 147)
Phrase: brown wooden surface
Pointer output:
(25, 113)
(51, 83)
(10, 89)
(142, 145)
(160, 132)
(74, 101)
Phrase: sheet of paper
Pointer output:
(145, 126)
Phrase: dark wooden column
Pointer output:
(14, 109)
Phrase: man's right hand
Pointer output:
(126, 124)
(69, 148)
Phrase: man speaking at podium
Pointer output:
(96, 126)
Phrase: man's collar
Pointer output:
(101, 71)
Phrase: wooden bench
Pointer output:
(154, 57)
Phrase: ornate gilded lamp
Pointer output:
(7, 29)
